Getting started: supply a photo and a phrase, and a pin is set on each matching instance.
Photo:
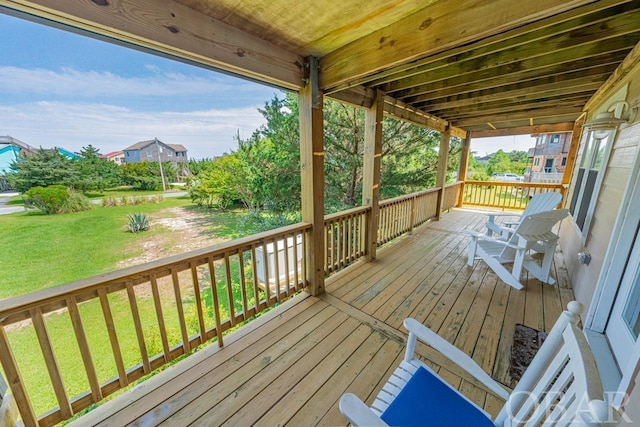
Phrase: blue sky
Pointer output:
(61, 89)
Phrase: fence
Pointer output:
(504, 195)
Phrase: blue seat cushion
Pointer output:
(428, 400)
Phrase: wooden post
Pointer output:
(18, 391)
(571, 158)
(312, 176)
(371, 172)
(441, 172)
(463, 165)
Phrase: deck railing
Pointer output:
(172, 306)
(164, 309)
(504, 195)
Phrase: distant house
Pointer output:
(153, 150)
(10, 150)
(549, 157)
(116, 157)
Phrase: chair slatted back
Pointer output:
(533, 228)
(542, 202)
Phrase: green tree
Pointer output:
(146, 175)
(96, 173)
(42, 169)
(220, 184)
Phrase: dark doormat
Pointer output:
(526, 342)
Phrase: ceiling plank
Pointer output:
(171, 28)
(430, 31)
(402, 111)
(523, 130)
(584, 68)
(506, 117)
(537, 89)
(586, 41)
(506, 38)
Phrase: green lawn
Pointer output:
(48, 250)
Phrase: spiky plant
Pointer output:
(138, 222)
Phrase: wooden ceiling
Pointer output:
(481, 66)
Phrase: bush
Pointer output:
(138, 222)
(56, 199)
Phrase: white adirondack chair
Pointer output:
(534, 231)
(561, 387)
(540, 202)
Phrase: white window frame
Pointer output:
(586, 141)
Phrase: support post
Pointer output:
(571, 158)
(312, 176)
(441, 172)
(463, 165)
(371, 171)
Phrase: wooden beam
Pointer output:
(441, 172)
(463, 166)
(171, 28)
(498, 42)
(358, 96)
(560, 47)
(542, 112)
(312, 176)
(573, 152)
(371, 172)
(626, 68)
(522, 130)
(430, 31)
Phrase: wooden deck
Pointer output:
(291, 365)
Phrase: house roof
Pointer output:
(112, 154)
(486, 67)
(140, 145)
(177, 147)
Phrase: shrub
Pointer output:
(56, 199)
(138, 222)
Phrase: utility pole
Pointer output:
(159, 150)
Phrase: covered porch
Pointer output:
(291, 365)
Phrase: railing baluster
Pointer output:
(276, 262)
(198, 298)
(14, 379)
(227, 268)
(146, 366)
(265, 263)
(183, 324)
(286, 264)
(113, 337)
(160, 318)
(254, 277)
(243, 285)
(87, 360)
(51, 362)
(216, 301)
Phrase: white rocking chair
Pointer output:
(533, 232)
(560, 387)
(540, 202)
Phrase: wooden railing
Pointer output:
(166, 308)
(402, 214)
(452, 193)
(504, 195)
(98, 335)
(344, 238)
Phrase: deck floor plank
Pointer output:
(292, 366)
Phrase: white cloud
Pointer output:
(73, 125)
(89, 84)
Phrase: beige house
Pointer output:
(465, 68)
(116, 157)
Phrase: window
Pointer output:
(564, 161)
(169, 153)
(148, 153)
(589, 177)
(548, 165)
(555, 139)
(536, 161)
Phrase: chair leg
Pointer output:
(507, 276)
(473, 246)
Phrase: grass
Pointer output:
(48, 250)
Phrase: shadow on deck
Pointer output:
(291, 365)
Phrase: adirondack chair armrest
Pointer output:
(454, 354)
(479, 236)
(492, 215)
(357, 412)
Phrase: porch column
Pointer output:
(312, 176)
(463, 165)
(571, 158)
(441, 172)
(371, 171)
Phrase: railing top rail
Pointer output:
(352, 211)
(516, 184)
(453, 184)
(22, 303)
(408, 196)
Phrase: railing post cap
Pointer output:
(575, 308)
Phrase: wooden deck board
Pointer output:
(292, 366)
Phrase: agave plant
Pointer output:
(138, 222)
